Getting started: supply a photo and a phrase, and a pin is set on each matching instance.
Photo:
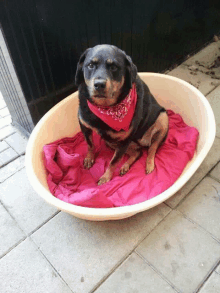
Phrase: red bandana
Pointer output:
(119, 116)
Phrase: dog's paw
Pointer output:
(105, 178)
(124, 169)
(149, 167)
(88, 162)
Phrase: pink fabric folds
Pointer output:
(70, 182)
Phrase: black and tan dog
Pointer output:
(105, 76)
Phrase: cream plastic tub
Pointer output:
(61, 121)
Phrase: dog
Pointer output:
(111, 93)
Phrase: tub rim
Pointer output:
(124, 211)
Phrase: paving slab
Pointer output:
(6, 131)
(184, 253)
(202, 205)
(214, 100)
(24, 269)
(10, 169)
(206, 56)
(7, 156)
(17, 142)
(135, 276)
(205, 62)
(212, 285)
(4, 112)
(210, 161)
(5, 121)
(89, 251)
(215, 173)
(198, 79)
(3, 146)
(10, 233)
(28, 209)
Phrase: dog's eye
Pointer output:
(91, 66)
(113, 67)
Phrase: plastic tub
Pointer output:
(61, 121)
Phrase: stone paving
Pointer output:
(174, 247)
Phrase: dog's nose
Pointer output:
(99, 84)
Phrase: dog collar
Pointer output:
(118, 116)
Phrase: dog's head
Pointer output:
(107, 72)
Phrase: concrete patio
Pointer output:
(174, 247)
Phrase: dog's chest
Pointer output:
(116, 136)
(119, 135)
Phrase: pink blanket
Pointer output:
(70, 182)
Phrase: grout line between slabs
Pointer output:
(121, 261)
(6, 147)
(111, 272)
(11, 160)
(214, 166)
(212, 270)
(26, 235)
(44, 256)
(206, 175)
(13, 246)
(23, 238)
(183, 199)
(158, 272)
(42, 224)
(214, 178)
(208, 274)
(7, 134)
(19, 154)
(211, 91)
(199, 226)
(12, 216)
(22, 167)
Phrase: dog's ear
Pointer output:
(131, 71)
(79, 77)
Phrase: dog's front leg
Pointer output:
(119, 152)
(89, 159)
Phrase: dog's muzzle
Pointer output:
(100, 84)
